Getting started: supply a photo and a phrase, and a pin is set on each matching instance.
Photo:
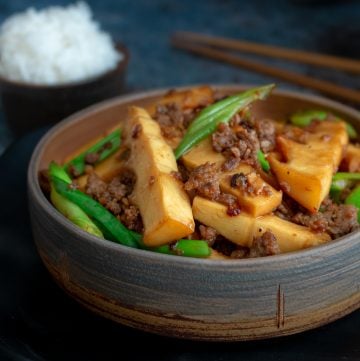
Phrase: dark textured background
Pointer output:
(37, 320)
(145, 25)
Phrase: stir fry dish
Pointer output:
(199, 175)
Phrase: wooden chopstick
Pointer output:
(292, 77)
(320, 60)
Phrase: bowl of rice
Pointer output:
(54, 62)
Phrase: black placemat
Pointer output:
(38, 321)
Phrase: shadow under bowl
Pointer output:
(214, 300)
(29, 106)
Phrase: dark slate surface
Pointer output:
(39, 322)
(144, 26)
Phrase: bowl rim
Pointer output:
(34, 186)
(120, 67)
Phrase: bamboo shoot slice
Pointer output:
(163, 204)
(242, 229)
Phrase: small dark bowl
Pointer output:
(215, 300)
(29, 106)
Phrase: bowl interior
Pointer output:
(71, 134)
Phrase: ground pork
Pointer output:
(237, 144)
(208, 234)
(266, 132)
(204, 181)
(115, 197)
(264, 245)
(173, 120)
(335, 219)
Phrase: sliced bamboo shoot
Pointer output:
(308, 168)
(186, 99)
(243, 228)
(164, 205)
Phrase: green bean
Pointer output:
(340, 181)
(57, 171)
(74, 213)
(110, 226)
(192, 138)
(337, 188)
(185, 248)
(263, 161)
(220, 112)
(103, 148)
(305, 117)
(91, 207)
(354, 199)
(346, 176)
(351, 131)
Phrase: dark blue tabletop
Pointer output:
(145, 26)
(37, 320)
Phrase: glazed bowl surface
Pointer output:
(216, 300)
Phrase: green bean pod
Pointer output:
(305, 117)
(346, 176)
(354, 199)
(109, 226)
(74, 213)
(104, 148)
(263, 161)
(185, 248)
(91, 207)
(220, 112)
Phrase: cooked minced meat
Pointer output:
(173, 120)
(266, 132)
(224, 138)
(114, 197)
(208, 234)
(335, 219)
(265, 245)
(236, 144)
(204, 181)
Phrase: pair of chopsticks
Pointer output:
(213, 47)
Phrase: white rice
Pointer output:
(55, 46)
